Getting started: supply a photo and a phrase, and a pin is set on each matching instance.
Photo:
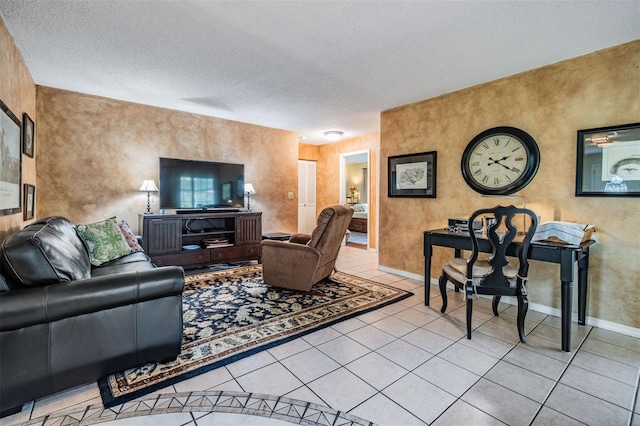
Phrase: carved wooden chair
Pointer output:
(495, 277)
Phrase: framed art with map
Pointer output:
(413, 175)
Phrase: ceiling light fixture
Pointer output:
(333, 135)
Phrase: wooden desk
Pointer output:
(565, 255)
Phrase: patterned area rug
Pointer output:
(231, 314)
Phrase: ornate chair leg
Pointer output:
(494, 304)
(523, 306)
(469, 297)
(443, 292)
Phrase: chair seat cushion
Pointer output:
(456, 269)
(481, 268)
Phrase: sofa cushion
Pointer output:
(104, 241)
(129, 236)
(133, 263)
(45, 252)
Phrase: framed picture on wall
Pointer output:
(10, 162)
(608, 162)
(28, 135)
(412, 175)
(29, 201)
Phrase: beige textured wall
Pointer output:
(328, 191)
(308, 152)
(550, 103)
(95, 153)
(18, 92)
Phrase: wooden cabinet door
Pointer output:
(164, 236)
(249, 228)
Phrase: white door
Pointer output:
(306, 196)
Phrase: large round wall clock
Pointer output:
(500, 161)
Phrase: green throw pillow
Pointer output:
(104, 241)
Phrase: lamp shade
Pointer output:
(248, 189)
(148, 186)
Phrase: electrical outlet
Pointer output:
(290, 195)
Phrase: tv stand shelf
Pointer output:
(165, 235)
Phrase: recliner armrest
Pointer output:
(285, 246)
(300, 238)
(41, 305)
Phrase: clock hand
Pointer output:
(498, 161)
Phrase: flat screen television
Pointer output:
(200, 185)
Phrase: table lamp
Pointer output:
(248, 189)
(148, 186)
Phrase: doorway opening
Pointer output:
(355, 193)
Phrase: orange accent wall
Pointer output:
(18, 92)
(308, 152)
(99, 150)
(328, 191)
(550, 103)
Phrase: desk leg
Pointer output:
(583, 268)
(427, 268)
(567, 295)
(566, 277)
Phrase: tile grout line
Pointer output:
(634, 405)
(557, 382)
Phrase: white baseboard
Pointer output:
(592, 321)
(548, 310)
(405, 274)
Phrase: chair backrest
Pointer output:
(500, 234)
(333, 222)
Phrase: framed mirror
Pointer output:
(608, 162)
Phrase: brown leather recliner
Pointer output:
(304, 260)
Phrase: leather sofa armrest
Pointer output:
(300, 238)
(40, 305)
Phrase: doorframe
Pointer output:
(343, 191)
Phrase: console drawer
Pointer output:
(249, 251)
(184, 258)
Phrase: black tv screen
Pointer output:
(191, 184)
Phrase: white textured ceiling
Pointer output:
(305, 66)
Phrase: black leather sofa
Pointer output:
(65, 323)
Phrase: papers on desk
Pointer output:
(564, 232)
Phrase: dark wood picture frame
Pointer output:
(29, 201)
(28, 135)
(608, 161)
(412, 175)
(11, 158)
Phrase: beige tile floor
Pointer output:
(407, 364)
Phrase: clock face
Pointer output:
(500, 161)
